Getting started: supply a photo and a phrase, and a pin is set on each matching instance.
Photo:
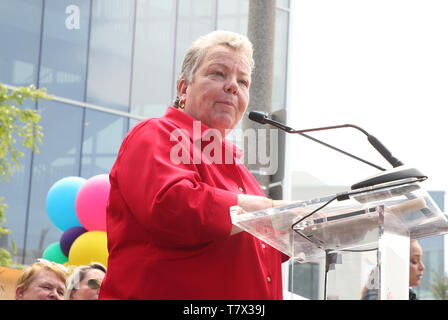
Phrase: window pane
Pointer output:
(20, 25)
(280, 61)
(233, 15)
(283, 4)
(305, 279)
(109, 72)
(153, 57)
(196, 18)
(103, 134)
(58, 158)
(15, 193)
(64, 50)
(433, 248)
(132, 123)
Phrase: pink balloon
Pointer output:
(91, 201)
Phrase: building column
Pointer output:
(261, 31)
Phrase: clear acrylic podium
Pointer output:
(360, 238)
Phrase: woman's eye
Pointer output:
(244, 83)
(218, 73)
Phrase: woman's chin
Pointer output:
(223, 123)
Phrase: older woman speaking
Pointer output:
(169, 229)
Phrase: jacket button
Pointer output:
(268, 279)
(241, 189)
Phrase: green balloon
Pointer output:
(54, 253)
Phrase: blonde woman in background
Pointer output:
(43, 280)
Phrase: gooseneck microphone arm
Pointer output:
(262, 118)
(373, 141)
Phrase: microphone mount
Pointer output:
(262, 118)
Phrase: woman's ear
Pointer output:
(182, 89)
(19, 292)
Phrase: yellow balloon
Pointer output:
(89, 247)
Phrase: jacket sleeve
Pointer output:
(170, 199)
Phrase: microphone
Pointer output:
(262, 118)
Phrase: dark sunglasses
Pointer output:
(94, 284)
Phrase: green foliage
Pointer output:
(19, 121)
(22, 123)
(439, 286)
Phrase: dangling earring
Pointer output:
(182, 104)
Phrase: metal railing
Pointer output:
(89, 106)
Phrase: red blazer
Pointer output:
(168, 223)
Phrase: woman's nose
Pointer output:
(422, 266)
(231, 85)
(54, 295)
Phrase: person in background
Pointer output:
(85, 281)
(416, 268)
(43, 280)
(169, 229)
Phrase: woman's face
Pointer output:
(85, 291)
(46, 285)
(219, 92)
(416, 265)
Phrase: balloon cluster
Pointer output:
(78, 207)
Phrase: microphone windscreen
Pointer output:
(258, 116)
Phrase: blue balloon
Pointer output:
(61, 202)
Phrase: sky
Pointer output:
(380, 65)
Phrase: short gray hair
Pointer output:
(199, 47)
(78, 275)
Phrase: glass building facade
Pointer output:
(109, 63)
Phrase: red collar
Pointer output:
(197, 130)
